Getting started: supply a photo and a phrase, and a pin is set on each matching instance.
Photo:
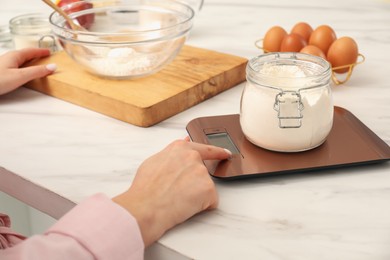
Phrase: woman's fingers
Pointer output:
(210, 152)
(18, 77)
(24, 55)
(14, 75)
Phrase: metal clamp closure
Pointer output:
(289, 106)
(49, 42)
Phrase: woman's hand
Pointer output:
(12, 75)
(172, 186)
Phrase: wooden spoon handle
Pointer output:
(65, 15)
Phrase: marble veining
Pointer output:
(333, 214)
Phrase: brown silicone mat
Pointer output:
(349, 143)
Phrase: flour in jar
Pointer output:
(280, 112)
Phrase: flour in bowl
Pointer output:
(119, 62)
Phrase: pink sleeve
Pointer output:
(95, 229)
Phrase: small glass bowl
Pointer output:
(124, 40)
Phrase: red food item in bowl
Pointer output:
(84, 20)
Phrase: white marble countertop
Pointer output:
(70, 152)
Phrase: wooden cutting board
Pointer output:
(194, 76)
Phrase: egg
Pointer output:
(343, 51)
(313, 50)
(303, 29)
(322, 37)
(292, 42)
(273, 39)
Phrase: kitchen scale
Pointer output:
(349, 143)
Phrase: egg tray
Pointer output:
(335, 78)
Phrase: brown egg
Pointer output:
(343, 51)
(292, 42)
(303, 29)
(322, 37)
(273, 39)
(313, 50)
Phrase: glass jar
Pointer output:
(5, 35)
(32, 30)
(194, 4)
(287, 104)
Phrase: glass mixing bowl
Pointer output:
(124, 39)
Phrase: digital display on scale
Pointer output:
(222, 140)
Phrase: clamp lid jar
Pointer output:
(32, 30)
(287, 104)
